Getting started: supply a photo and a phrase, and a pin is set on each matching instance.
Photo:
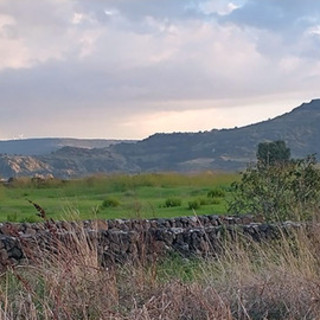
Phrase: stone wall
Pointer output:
(129, 240)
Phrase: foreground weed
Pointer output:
(247, 280)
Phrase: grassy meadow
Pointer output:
(246, 280)
(117, 196)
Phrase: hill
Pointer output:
(41, 146)
(226, 149)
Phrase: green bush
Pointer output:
(216, 193)
(194, 204)
(279, 192)
(172, 202)
(204, 201)
(110, 203)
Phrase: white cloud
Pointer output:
(315, 30)
(220, 7)
(159, 58)
(52, 31)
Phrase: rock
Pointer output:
(9, 229)
(15, 253)
(204, 246)
(182, 248)
(3, 256)
(114, 247)
(133, 250)
(9, 243)
(246, 219)
(30, 231)
(133, 236)
(168, 237)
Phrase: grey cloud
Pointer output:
(57, 86)
(275, 15)
(138, 9)
(37, 13)
(131, 66)
(281, 27)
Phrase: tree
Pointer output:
(273, 153)
(279, 189)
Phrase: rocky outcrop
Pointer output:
(12, 166)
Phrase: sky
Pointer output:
(129, 68)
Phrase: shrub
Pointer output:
(172, 202)
(288, 191)
(194, 204)
(110, 203)
(216, 193)
(273, 153)
(204, 201)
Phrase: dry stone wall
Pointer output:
(130, 240)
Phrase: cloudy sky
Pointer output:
(129, 68)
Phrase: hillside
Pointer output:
(42, 146)
(227, 149)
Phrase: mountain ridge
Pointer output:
(40, 146)
(225, 149)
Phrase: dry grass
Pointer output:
(279, 280)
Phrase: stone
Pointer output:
(168, 237)
(133, 236)
(246, 219)
(101, 225)
(3, 256)
(9, 243)
(30, 231)
(114, 247)
(111, 224)
(204, 246)
(15, 253)
(182, 247)
(9, 229)
(132, 249)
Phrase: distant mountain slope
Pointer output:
(47, 145)
(68, 162)
(227, 149)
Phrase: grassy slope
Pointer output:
(140, 196)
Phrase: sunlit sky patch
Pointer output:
(130, 68)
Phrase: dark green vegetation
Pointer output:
(227, 149)
(117, 196)
(273, 153)
(278, 188)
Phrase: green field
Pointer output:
(117, 196)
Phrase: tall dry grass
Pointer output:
(275, 280)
